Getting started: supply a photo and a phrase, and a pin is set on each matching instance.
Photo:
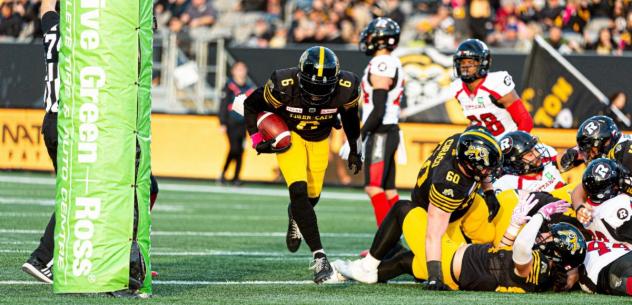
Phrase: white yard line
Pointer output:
(210, 252)
(215, 234)
(196, 188)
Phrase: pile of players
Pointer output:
(490, 210)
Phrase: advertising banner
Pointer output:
(557, 94)
(103, 153)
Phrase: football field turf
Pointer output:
(223, 245)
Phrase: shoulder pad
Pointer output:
(348, 92)
(499, 82)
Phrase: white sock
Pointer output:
(369, 262)
(318, 251)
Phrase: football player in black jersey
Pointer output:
(308, 98)
(443, 205)
(540, 259)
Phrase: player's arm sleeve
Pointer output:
(351, 123)
(520, 115)
(254, 104)
(522, 254)
(447, 197)
(379, 108)
(49, 20)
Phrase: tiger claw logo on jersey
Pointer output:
(478, 153)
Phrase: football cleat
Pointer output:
(39, 270)
(323, 272)
(293, 237)
(355, 270)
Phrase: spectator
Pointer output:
(552, 13)
(559, 43)
(480, 12)
(178, 7)
(279, 40)
(528, 12)
(575, 16)
(232, 123)
(626, 36)
(10, 21)
(618, 101)
(604, 45)
(199, 14)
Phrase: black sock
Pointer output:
(304, 215)
(390, 232)
(396, 266)
(313, 201)
(238, 159)
(44, 251)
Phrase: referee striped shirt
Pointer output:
(50, 27)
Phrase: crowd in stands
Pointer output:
(603, 26)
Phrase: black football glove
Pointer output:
(570, 159)
(355, 160)
(434, 284)
(265, 147)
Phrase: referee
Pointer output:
(39, 265)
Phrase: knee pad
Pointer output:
(298, 192)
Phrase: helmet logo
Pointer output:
(602, 171)
(478, 153)
(570, 242)
(506, 144)
(591, 128)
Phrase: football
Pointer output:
(272, 126)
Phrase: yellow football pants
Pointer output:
(305, 161)
(414, 229)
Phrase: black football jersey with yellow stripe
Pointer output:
(442, 184)
(282, 95)
(485, 268)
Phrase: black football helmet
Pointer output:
(478, 153)
(515, 145)
(596, 136)
(381, 33)
(566, 247)
(318, 74)
(476, 50)
(601, 180)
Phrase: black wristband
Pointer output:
(434, 270)
(581, 206)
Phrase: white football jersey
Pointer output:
(600, 254)
(548, 180)
(388, 66)
(608, 216)
(481, 106)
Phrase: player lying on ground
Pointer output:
(560, 247)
